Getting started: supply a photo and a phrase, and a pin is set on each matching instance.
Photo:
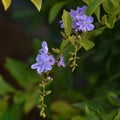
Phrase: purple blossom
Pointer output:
(76, 15)
(61, 61)
(80, 21)
(44, 61)
(44, 48)
(85, 24)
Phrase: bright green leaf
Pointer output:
(109, 7)
(87, 44)
(37, 3)
(92, 6)
(55, 10)
(6, 3)
(62, 104)
(116, 3)
(96, 11)
(67, 22)
(5, 87)
(109, 21)
(21, 72)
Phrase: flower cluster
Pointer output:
(45, 61)
(80, 21)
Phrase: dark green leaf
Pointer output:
(21, 72)
(113, 99)
(3, 106)
(64, 44)
(5, 87)
(55, 10)
(20, 97)
(31, 101)
(111, 115)
(13, 113)
(96, 32)
(91, 109)
(69, 48)
(67, 22)
(87, 1)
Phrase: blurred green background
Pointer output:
(95, 83)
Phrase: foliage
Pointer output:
(92, 91)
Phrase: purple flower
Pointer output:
(61, 24)
(61, 62)
(85, 24)
(44, 48)
(44, 61)
(80, 21)
(77, 14)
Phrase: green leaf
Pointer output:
(109, 21)
(87, 44)
(55, 10)
(113, 99)
(31, 101)
(87, 1)
(3, 106)
(109, 7)
(6, 4)
(21, 72)
(5, 87)
(64, 44)
(96, 32)
(67, 22)
(96, 11)
(62, 104)
(56, 50)
(111, 115)
(92, 109)
(37, 3)
(14, 112)
(117, 117)
(91, 115)
(116, 3)
(66, 52)
(20, 97)
(92, 6)
(79, 118)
